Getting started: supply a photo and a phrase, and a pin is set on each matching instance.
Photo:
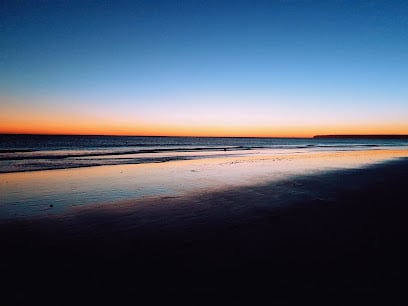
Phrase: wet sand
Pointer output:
(338, 237)
(54, 192)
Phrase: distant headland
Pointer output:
(361, 136)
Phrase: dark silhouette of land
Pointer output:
(338, 237)
(361, 136)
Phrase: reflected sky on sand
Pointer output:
(50, 192)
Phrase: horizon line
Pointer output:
(192, 136)
(124, 135)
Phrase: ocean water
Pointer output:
(45, 152)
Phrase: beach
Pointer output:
(335, 235)
(203, 153)
(64, 192)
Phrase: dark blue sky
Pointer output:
(277, 57)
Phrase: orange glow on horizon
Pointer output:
(79, 128)
(24, 118)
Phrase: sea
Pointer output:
(19, 153)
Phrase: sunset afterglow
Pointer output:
(283, 69)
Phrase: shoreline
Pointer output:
(55, 192)
(338, 235)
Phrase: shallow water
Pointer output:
(50, 192)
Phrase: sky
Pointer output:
(204, 68)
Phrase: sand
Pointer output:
(337, 236)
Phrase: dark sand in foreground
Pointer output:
(339, 237)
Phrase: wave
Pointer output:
(45, 164)
(21, 160)
(61, 155)
(14, 155)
